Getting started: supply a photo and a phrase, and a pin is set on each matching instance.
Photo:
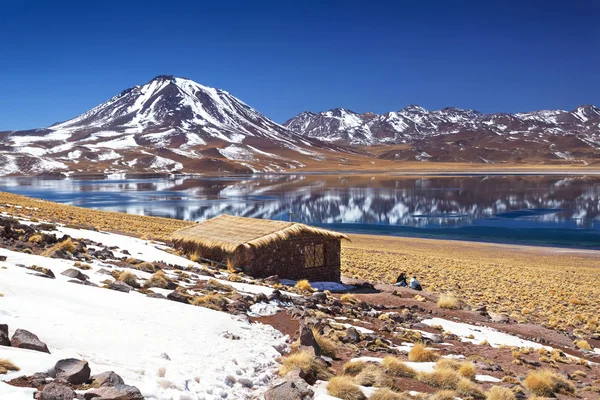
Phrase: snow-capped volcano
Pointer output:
(168, 124)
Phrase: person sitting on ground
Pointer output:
(401, 281)
(414, 284)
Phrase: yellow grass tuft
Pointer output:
(443, 378)
(545, 383)
(313, 368)
(372, 375)
(213, 301)
(349, 298)
(448, 301)
(421, 354)
(469, 389)
(387, 394)
(129, 278)
(328, 346)
(214, 284)
(66, 245)
(83, 266)
(499, 393)
(395, 367)
(36, 238)
(303, 285)
(158, 280)
(344, 388)
(7, 365)
(583, 344)
(353, 368)
(444, 395)
(465, 369)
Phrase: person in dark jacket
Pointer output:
(401, 281)
(414, 283)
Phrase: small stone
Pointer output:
(499, 318)
(435, 338)
(56, 391)
(290, 390)
(155, 296)
(120, 286)
(178, 296)
(108, 378)
(308, 341)
(75, 273)
(353, 335)
(118, 392)
(72, 370)
(23, 339)
(320, 297)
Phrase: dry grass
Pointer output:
(68, 246)
(354, 368)
(466, 388)
(443, 395)
(545, 383)
(7, 365)
(303, 285)
(448, 301)
(146, 267)
(486, 274)
(349, 298)
(466, 369)
(372, 375)
(129, 278)
(214, 284)
(419, 353)
(213, 301)
(397, 368)
(500, 393)
(328, 346)
(583, 344)
(387, 394)
(83, 266)
(36, 238)
(443, 378)
(158, 280)
(344, 388)
(313, 368)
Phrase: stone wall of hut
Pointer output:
(287, 259)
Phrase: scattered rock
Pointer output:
(179, 296)
(118, 392)
(435, 338)
(165, 356)
(120, 286)
(155, 296)
(2, 258)
(272, 280)
(56, 391)
(84, 283)
(290, 390)
(108, 378)
(320, 297)
(23, 339)
(72, 370)
(352, 335)
(75, 273)
(499, 318)
(307, 340)
(4, 340)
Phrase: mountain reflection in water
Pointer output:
(531, 209)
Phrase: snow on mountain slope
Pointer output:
(458, 135)
(196, 122)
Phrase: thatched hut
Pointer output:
(262, 247)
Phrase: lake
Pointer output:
(542, 210)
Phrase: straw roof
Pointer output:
(229, 233)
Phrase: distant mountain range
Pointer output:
(458, 135)
(174, 124)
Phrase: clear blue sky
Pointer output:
(59, 59)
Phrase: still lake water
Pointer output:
(555, 210)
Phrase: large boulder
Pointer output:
(75, 273)
(72, 370)
(4, 340)
(23, 339)
(56, 391)
(108, 378)
(290, 390)
(118, 392)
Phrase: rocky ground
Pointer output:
(89, 314)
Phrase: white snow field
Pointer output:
(130, 333)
